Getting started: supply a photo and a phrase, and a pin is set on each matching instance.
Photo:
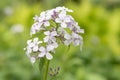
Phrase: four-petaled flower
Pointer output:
(36, 27)
(45, 51)
(50, 36)
(32, 46)
(74, 38)
(63, 19)
(44, 19)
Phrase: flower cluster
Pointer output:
(57, 27)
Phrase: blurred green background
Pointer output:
(100, 58)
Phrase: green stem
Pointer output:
(46, 70)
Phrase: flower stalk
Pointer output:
(46, 69)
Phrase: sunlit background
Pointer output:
(99, 59)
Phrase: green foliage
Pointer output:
(99, 60)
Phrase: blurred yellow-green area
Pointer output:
(99, 59)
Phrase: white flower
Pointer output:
(56, 27)
(44, 19)
(50, 36)
(29, 50)
(74, 38)
(54, 15)
(72, 25)
(46, 15)
(46, 52)
(36, 18)
(36, 27)
(45, 22)
(77, 39)
(55, 44)
(49, 13)
(33, 45)
(76, 28)
(63, 19)
(68, 39)
(58, 9)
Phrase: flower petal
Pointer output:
(42, 14)
(58, 20)
(81, 30)
(40, 42)
(47, 33)
(42, 49)
(41, 54)
(31, 44)
(50, 47)
(67, 42)
(29, 50)
(35, 18)
(67, 36)
(74, 35)
(35, 40)
(63, 24)
(58, 9)
(46, 23)
(46, 39)
(62, 15)
(29, 41)
(49, 56)
(53, 33)
(76, 42)
(53, 39)
(55, 45)
(35, 48)
(48, 16)
(67, 19)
